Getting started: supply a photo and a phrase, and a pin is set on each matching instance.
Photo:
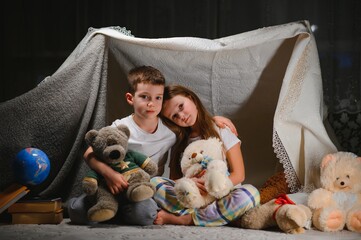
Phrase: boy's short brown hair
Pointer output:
(144, 74)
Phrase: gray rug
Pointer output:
(106, 231)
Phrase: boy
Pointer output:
(148, 136)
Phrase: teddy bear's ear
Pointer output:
(124, 129)
(326, 159)
(90, 136)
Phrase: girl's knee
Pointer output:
(254, 194)
(250, 194)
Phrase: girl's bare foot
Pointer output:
(164, 217)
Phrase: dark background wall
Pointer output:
(38, 35)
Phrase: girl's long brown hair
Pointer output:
(204, 122)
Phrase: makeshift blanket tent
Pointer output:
(267, 81)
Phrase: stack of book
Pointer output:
(37, 211)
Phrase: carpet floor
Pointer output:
(66, 230)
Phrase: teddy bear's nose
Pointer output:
(342, 183)
(194, 155)
(114, 154)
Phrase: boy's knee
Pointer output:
(139, 213)
(77, 210)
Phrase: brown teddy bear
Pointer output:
(281, 212)
(338, 202)
(110, 145)
(273, 187)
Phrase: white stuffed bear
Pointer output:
(338, 202)
(203, 159)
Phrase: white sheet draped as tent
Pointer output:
(251, 78)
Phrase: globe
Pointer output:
(31, 166)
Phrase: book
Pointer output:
(12, 194)
(38, 217)
(36, 205)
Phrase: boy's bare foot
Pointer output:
(164, 217)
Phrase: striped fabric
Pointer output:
(218, 213)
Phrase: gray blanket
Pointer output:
(267, 81)
(54, 118)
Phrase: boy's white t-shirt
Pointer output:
(154, 145)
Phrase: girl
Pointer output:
(184, 114)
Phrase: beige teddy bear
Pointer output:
(203, 159)
(110, 145)
(338, 202)
(280, 212)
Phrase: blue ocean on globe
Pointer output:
(31, 166)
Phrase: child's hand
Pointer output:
(223, 122)
(116, 182)
(200, 184)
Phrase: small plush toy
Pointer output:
(280, 212)
(338, 202)
(110, 145)
(203, 159)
